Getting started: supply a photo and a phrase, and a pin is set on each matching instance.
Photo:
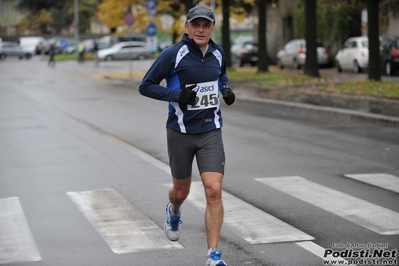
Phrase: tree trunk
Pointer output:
(263, 64)
(226, 31)
(288, 29)
(176, 13)
(374, 42)
(311, 64)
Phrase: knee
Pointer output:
(181, 193)
(214, 192)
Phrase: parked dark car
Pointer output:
(13, 49)
(245, 53)
(389, 48)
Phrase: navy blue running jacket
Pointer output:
(184, 64)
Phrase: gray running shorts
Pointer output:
(207, 147)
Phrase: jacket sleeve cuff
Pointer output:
(176, 96)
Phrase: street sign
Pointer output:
(151, 29)
(151, 5)
(129, 19)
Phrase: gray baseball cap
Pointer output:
(200, 12)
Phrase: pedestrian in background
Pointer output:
(95, 50)
(51, 61)
(195, 74)
(81, 52)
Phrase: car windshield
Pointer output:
(365, 44)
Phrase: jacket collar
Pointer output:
(188, 41)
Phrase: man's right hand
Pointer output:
(187, 95)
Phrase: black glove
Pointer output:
(228, 95)
(187, 95)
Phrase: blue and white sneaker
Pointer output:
(214, 258)
(172, 223)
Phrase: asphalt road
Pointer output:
(84, 178)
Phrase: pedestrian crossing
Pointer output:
(126, 229)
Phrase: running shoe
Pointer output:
(214, 258)
(172, 224)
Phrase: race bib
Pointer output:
(207, 96)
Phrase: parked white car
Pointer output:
(353, 55)
(31, 44)
(125, 50)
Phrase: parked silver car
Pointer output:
(294, 54)
(125, 50)
(353, 55)
(13, 49)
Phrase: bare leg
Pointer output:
(214, 206)
(178, 193)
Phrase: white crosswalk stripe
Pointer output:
(385, 181)
(16, 240)
(361, 212)
(123, 227)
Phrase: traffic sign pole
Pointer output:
(130, 20)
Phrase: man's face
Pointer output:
(200, 30)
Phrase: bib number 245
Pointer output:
(205, 101)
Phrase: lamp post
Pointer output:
(76, 19)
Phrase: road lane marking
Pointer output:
(143, 155)
(249, 222)
(358, 211)
(16, 240)
(386, 181)
(123, 227)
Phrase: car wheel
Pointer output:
(109, 58)
(280, 64)
(356, 67)
(296, 64)
(141, 57)
(2, 56)
(388, 69)
(28, 56)
(339, 69)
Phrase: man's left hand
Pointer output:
(228, 95)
